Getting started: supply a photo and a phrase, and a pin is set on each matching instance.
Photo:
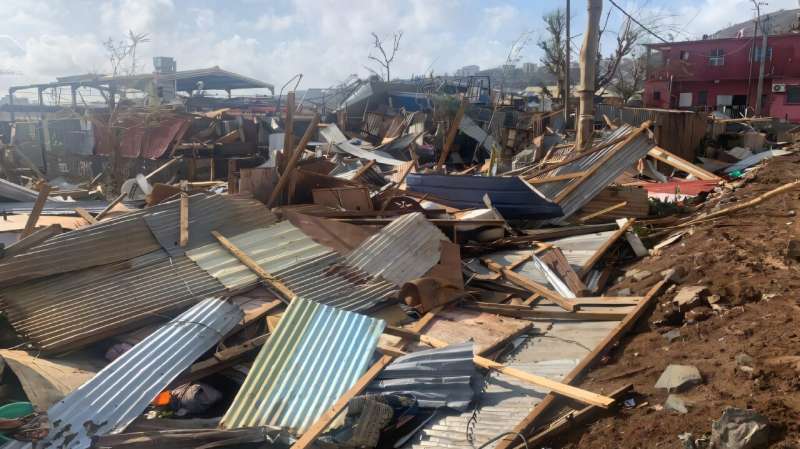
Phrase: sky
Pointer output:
(325, 40)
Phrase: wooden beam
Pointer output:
(364, 168)
(451, 133)
(120, 197)
(184, 216)
(578, 394)
(83, 213)
(530, 285)
(32, 240)
(288, 130)
(220, 360)
(525, 311)
(602, 212)
(292, 162)
(271, 280)
(602, 250)
(577, 373)
(681, 164)
(572, 419)
(38, 206)
(577, 174)
(601, 162)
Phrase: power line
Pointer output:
(638, 23)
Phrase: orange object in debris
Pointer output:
(162, 399)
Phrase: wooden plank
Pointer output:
(183, 240)
(271, 280)
(602, 250)
(569, 391)
(292, 162)
(578, 174)
(528, 284)
(573, 419)
(557, 261)
(451, 134)
(602, 212)
(121, 196)
(83, 213)
(220, 360)
(681, 164)
(577, 373)
(288, 129)
(363, 169)
(37, 237)
(327, 418)
(38, 206)
(487, 330)
(599, 163)
(525, 311)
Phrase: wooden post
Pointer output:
(83, 213)
(288, 130)
(120, 197)
(38, 206)
(591, 37)
(451, 133)
(292, 163)
(184, 215)
(233, 179)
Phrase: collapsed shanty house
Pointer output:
(408, 265)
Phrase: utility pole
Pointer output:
(760, 88)
(583, 137)
(567, 50)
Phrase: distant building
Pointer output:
(722, 74)
(509, 67)
(468, 70)
(17, 100)
(529, 68)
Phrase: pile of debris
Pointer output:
(408, 280)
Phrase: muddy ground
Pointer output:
(743, 258)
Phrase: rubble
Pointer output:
(406, 265)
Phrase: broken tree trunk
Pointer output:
(591, 39)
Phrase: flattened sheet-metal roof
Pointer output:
(315, 355)
(121, 391)
(70, 310)
(403, 250)
(309, 269)
(228, 214)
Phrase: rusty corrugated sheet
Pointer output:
(70, 310)
(309, 269)
(121, 391)
(315, 355)
(403, 250)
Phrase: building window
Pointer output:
(702, 98)
(684, 55)
(656, 95)
(793, 94)
(757, 54)
(717, 57)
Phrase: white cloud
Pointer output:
(501, 16)
(274, 22)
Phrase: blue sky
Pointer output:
(325, 40)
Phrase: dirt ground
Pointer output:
(743, 259)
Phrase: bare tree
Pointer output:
(554, 47)
(630, 77)
(386, 58)
(514, 55)
(119, 52)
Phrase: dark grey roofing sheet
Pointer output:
(227, 214)
(443, 377)
(52, 207)
(70, 310)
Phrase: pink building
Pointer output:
(722, 74)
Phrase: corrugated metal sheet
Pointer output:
(755, 159)
(403, 250)
(15, 192)
(506, 400)
(444, 377)
(315, 355)
(534, 269)
(578, 249)
(70, 310)
(332, 134)
(121, 391)
(311, 270)
(624, 155)
(53, 207)
(227, 214)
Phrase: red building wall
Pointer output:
(685, 68)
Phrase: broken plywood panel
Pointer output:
(488, 331)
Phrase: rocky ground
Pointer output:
(742, 332)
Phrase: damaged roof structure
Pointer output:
(413, 265)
